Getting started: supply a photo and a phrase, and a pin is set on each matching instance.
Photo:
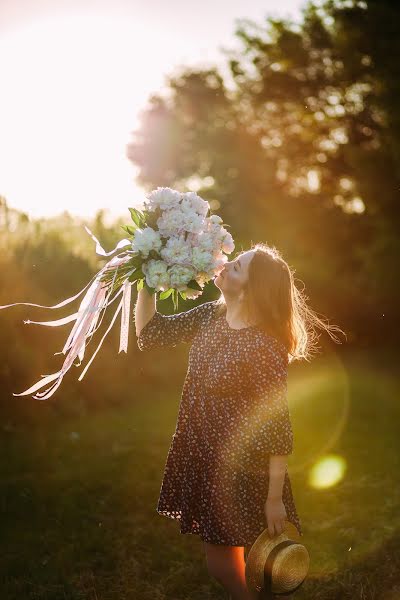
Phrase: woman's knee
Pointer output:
(224, 563)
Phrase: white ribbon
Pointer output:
(126, 308)
(99, 247)
(95, 300)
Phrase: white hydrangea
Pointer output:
(192, 294)
(180, 276)
(202, 260)
(209, 241)
(214, 225)
(191, 245)
(145, 240)
(170, 222)
(156, 274)
(220, 233)
(215, 219)
(164, 198)
(214, 268)
(194, 202)
(177, 250)
(228, 245)
(192, 221)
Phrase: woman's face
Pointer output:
(234, 274)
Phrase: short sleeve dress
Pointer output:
(233, 415)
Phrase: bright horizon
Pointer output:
(69, 100)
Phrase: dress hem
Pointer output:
(186, 531)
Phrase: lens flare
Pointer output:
(327, 471)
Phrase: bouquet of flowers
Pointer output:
(176, 247)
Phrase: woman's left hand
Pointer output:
(275, 513)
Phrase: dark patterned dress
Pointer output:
(233, 414)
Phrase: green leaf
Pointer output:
(136, 261)
(129, 229)
(166, 293)
(175, 296)
(139, 273)
(139, 284)
(137, 217)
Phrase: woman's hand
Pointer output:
(275, 513)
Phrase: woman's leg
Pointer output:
(226, 564)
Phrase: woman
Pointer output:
(226, 475)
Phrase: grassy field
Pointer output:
(78, 496)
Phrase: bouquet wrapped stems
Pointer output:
(175, 248)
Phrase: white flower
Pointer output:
(228, 244)
(203, 277)
(214, 225)
(202, 260)
(145, 240)
(219, 261)
(156, 274)
(180, 276)
(171, 222)
(215, 219)
(191, 245)
(218, 265)
(207, 241)
(177, 250)
(192, 221)
(163, 197)
(193, 201)
(192, 294)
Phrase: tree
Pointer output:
(304, 150)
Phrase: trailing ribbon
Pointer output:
(95, 300)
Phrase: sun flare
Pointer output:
(72, 88)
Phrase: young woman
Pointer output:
(226, 476)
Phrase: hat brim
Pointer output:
(255, 563)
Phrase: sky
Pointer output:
(75, 75)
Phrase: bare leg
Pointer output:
(226, 564)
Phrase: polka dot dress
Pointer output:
(232, 416)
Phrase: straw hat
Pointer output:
(277, 565)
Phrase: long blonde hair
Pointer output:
(278, 307)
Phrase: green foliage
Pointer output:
(129, 229)
(303, 153)
(166, 294)
(138, 217)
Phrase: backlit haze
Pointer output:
(74, 79)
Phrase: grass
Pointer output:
(78, 498)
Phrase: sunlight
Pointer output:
(313, 180)
(327, 472)
(355, 205)
(71, 90)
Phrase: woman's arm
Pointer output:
(155, 330)
(275, 511)
(277, 469)
(145, 308)
(273, 437)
